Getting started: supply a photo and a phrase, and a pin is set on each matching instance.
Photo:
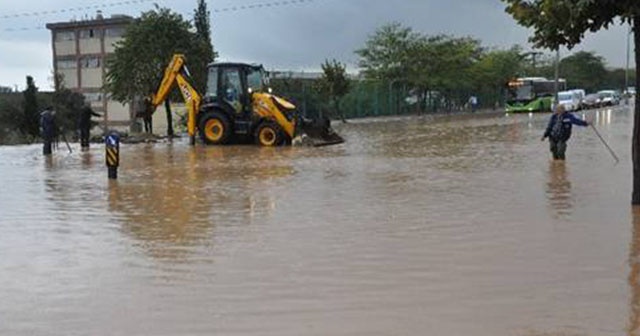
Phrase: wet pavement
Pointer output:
(414, 226)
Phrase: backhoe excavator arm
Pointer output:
(177, 72)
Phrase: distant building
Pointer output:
(278, 74)
(5, 89)
(80, 49)
(305, 75)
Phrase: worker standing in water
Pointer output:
(146, 113)
(84, 125)
(559, 131)
(47, 129)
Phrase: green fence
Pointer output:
(379, 98)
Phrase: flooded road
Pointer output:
(414, 226)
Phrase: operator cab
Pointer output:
(231, 84)
(230, 87)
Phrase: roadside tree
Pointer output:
(385, 55)
(202, 23)
(137, 66)
(10, 118)
(334, 85)
(435, 68)
(30, 114)
(68, 106)
(584, 70)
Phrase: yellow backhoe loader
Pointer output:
(238, 106)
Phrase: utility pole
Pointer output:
(626, 71)
(534, 54)
(557, 74)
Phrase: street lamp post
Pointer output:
(534, 55)
(557, 68)
(557, 74)
(626, 71)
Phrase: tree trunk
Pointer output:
(635, 146)
(167, 106)
(421, 101)
(338, 111)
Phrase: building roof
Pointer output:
(114, 20)
(307, 75)
(235, 64)
(296, 74)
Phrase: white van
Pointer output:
(581, 94)
(569, 99)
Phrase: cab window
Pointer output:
(254, 79)
(231, 87)
(212, 83)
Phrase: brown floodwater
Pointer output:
(414, 226)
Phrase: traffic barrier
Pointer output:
(112, 153)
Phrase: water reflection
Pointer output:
(180, 195)
(602, 117)
(48, 162)
(86, 158)
(454, 233)
(634, 274)
(559, 189)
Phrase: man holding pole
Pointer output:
(84, 124)
(559, 131)
(47, 129)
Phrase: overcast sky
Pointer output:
(293, 36)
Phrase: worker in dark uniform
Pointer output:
(84, 124)
(47, 129)
(146, 114)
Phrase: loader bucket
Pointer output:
(318, 132)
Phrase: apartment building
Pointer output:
(80, 49)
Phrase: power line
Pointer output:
(73, 9)
(260, 5)
(133, 2)
(214, 10)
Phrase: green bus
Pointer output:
(532, 94)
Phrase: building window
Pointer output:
(89, 33)
(65, 36)
(93, 97)
(114, 32)
(67, 64)
(90, 62)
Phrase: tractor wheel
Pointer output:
(269, 134)
(215, 128)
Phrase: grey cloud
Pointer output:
(302, 36)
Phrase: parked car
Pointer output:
(609, 97)
(569, 99)
(631, 91)
(591, 101)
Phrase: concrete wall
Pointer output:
(90, 46)
(91, 78)
(80, 50)
(95, 99)
(70, 78)
(118, 112)
(65, 48)
(109, 44)
(160, 119)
